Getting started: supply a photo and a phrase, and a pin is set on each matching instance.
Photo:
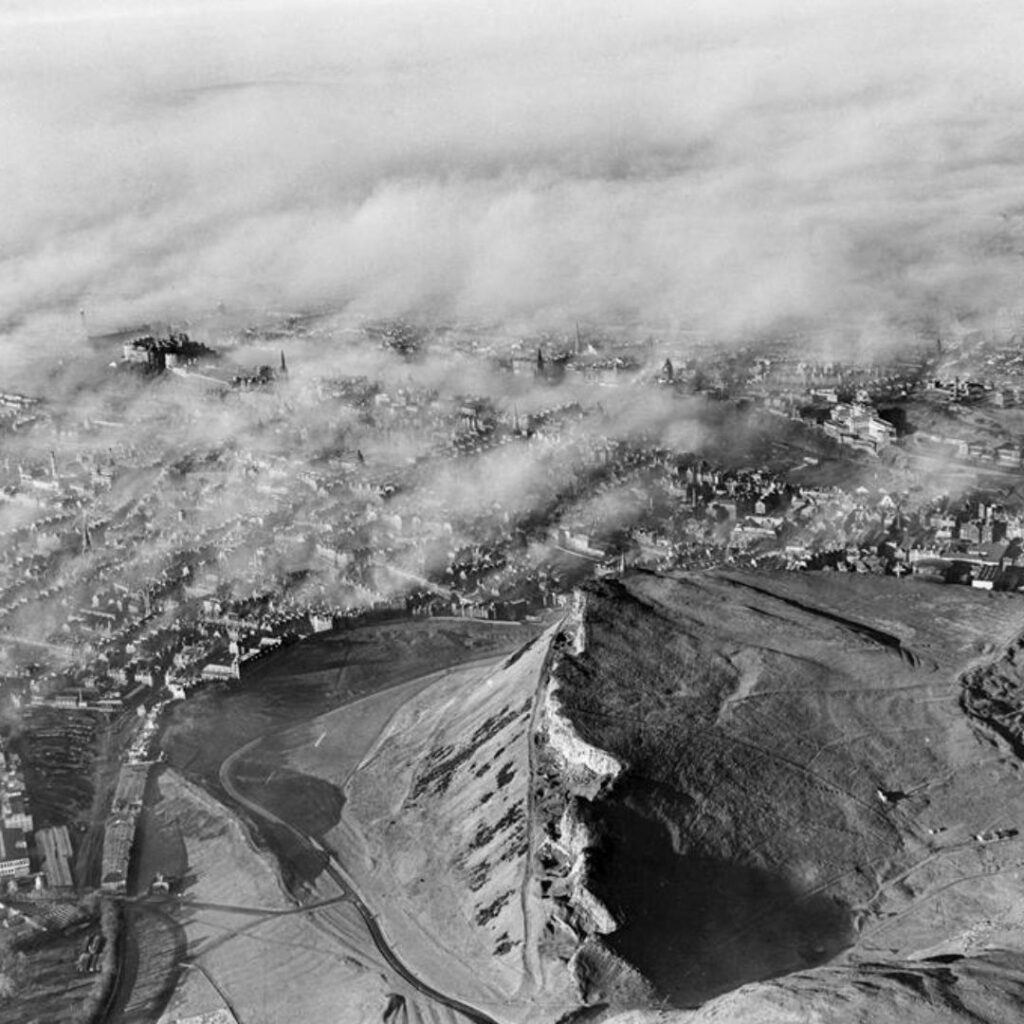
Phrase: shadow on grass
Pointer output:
(698, 927)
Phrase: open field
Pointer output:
(299, 774)
(435, 836)
(293, 687)
(253, 954)
(322, 673)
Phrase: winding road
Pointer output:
(336, 871)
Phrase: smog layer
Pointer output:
(725, 170)
(510, 512)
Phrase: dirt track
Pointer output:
(335, 869)
(339, 928)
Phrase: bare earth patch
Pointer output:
(436, 829)
(265, 969)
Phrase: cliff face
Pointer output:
(442, 807)
(748, 797)
(569, 773)
(587, 767)
(576, 769)
(472, 813)
(475, 853)
(590, 767)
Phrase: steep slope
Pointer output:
(694, 785)
(465, 829)
(440, 811)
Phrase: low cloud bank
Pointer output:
(851, 169)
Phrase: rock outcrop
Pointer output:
(750, 797)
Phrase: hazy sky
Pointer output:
(727, 165)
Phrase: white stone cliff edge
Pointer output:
(562, 736)
(586, 770)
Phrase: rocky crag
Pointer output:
(720, 794)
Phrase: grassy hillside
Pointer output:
(442, 808)
(800, 776)
(951, 990)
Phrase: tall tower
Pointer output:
(284, 365)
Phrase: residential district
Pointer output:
(193, 514)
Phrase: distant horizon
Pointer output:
(734, 169)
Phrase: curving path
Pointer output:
(338, 874)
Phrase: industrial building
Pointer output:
(54, 845)
(13, 853)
